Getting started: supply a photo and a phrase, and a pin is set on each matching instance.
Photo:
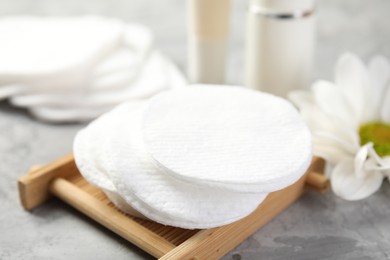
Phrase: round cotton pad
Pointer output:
(88, 148)
(117, 70)
(168, 200)
(35, 47)
(88, 153)
(86, 163)
(71, 107)
(227, 137)
(158, 74)
(60, 114)
(136, 45)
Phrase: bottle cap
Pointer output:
(284, 5)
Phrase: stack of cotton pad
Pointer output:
(197, 157)
(74, 69)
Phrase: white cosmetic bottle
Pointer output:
(280, 45)
(208, 33)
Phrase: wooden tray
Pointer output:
(62, 179)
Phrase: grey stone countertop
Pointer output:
(318, 226)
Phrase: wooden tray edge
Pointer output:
(40, 184)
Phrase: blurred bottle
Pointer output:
(208, 33)
(280, 45)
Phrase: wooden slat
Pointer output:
(318, 181)
(174, 235)
(111, 218)
(158, 240)
(34, 187)
(214, 243)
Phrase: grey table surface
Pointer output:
(318, 226)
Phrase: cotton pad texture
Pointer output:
(123, 152)
(228, 138)
(76, 68)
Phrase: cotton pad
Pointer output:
(158, 74)
(65, 75)
(10, 90)
(156, 194)
(68, 107)
(136, 45)
(55, 114)
(227, 137)
(104, 127)
(36, 47)
(85, 160)
(117, 70)
(87, 149)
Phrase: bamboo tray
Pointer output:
(62, 179)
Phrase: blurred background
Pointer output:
(359, 26)
(57, 232)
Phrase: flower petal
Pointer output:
(318, 121)
(301, 98)
(386, 167)
(374, 155)
(352, 78)
(332, 102)
(321, 125)
(361, 158)
(348, 186)
(329, 152)
(379, 164)
(386, 162)
(347, 145)
(379, 73)
(385, 111)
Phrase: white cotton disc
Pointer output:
(10, 90)
(158, 74)
(78, 108)
(227, 137)
(85, 160)
(156, 194)
(36, 47)
(136, 45)
(88, 154)
(116, 70)
(63, 115)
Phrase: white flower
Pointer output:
(350, 123)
